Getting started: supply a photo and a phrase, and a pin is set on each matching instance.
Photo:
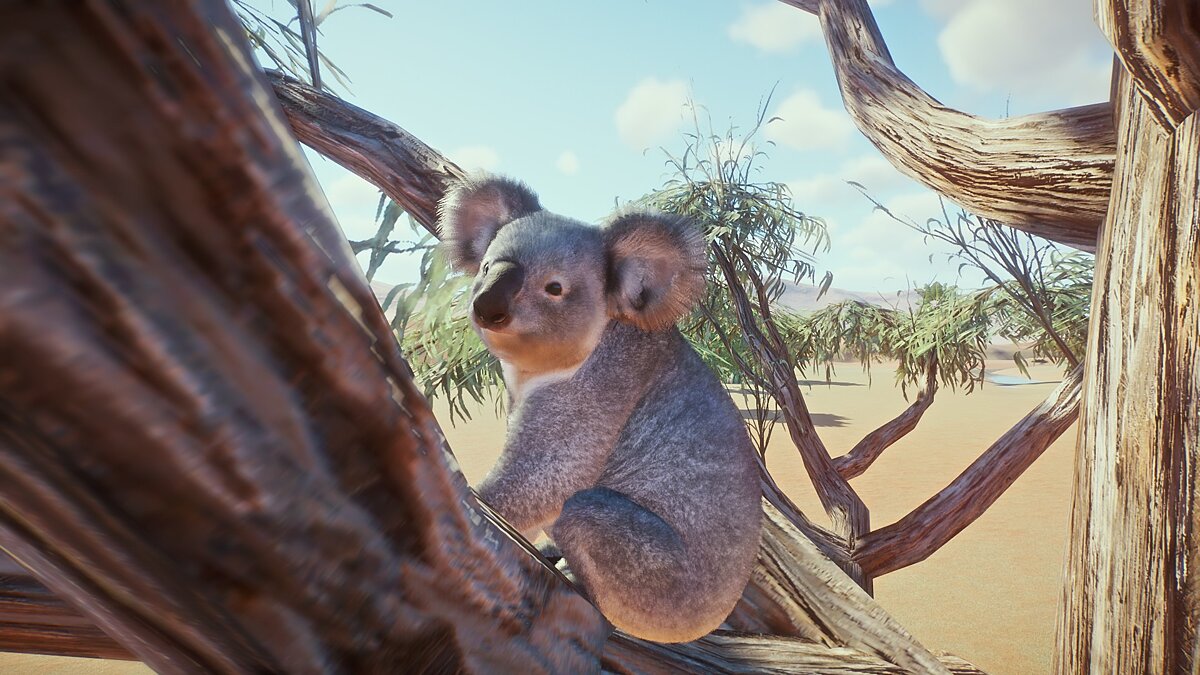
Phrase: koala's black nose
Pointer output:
(493, 302)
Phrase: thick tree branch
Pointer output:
(865, 452)
(917, 535)
(1159, 45)
(414, 175)
(1049, 173)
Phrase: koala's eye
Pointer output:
(554, 288)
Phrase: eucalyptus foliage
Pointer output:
(283, 43)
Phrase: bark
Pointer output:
(1048, 173)
(1158, 43)
(751, 655)
(411, 173)
(917, 535)
(865, 452)
(1130, 596)
(209, 443)
(34, 621)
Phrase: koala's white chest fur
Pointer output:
(521, 384)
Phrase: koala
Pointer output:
(621, 443)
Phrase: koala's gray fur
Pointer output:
(621, 442)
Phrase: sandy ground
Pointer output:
(989, 596)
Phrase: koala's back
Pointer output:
(684, 453)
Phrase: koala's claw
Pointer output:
(550, 552)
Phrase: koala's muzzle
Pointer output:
(493, 302)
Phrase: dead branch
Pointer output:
(917, 535)
(411, 173)
(1049, 173)
(865, 452)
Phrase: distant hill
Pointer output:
(803, 298)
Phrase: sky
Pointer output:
(581, 100)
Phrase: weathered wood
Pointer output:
(1130, 597)
(1048, 173)
(928, 527)
(796, 591)
(411, 173)
(34, 621)
(209, 443)
(865, 452)
(1158, 43)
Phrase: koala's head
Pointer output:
(546, 286)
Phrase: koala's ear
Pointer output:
(475, 209)
(656, 266)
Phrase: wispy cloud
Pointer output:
(476, 157)
(567, 163)
(1026, 47)
(807, 124)
(651, 111)
(774, 27)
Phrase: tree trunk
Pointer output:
(209, 443)
(1130, 599)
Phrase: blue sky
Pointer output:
(577, 98)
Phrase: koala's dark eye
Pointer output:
(554, 288)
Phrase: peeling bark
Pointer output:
(1049, 173)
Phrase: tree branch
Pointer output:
(917, 535)
(1049, 174)
(413, 174)
(861, 456)
(846, 510)
(1159, 46)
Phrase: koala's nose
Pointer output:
(493, 302)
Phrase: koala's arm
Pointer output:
(554, 449)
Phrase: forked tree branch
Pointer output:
(865, 452)
(919, 534)
(1049, 173)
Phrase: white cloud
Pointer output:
(775, 27)
(877, 253)
(1026, 47)
(818, 193)
(475, 158)
(568, 163)
(806, 124)
(652, 110)
(354, 202)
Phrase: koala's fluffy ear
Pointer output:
(656, 268)
(474, 210)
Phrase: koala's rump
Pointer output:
(684, 454)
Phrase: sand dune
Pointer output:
(990, 595)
